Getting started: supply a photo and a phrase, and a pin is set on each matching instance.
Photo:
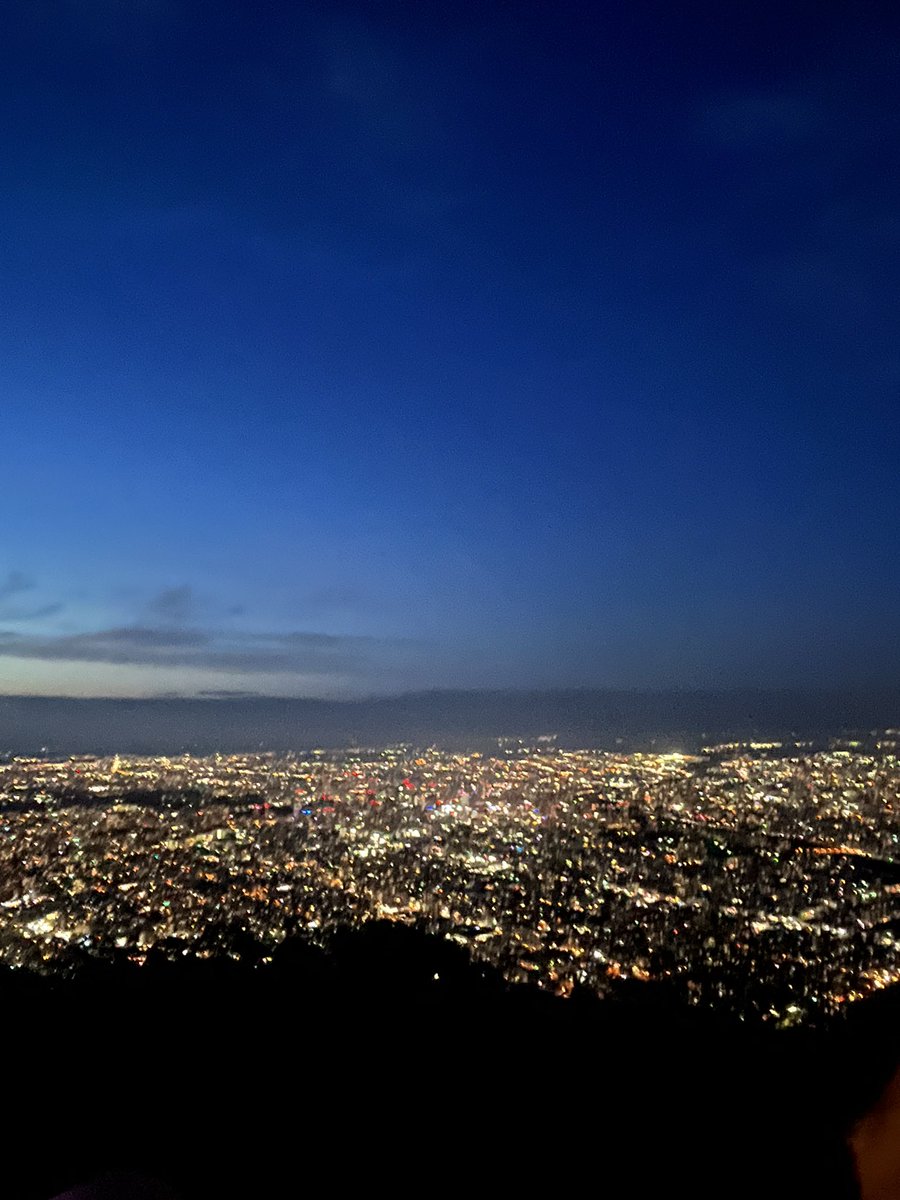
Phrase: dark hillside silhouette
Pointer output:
(389, 1061)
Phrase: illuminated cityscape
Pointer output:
(760, 879)
(449, 593)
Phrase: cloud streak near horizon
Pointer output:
(172, 643)
(188, 647)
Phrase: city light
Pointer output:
(759, 879)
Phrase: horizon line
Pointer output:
(378, 697)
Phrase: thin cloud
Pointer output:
(227, 694)
(99, 23)
(295, 652)
(15, 583)
(173, 604)
(12, 588)
(30, 614)
(766, 119)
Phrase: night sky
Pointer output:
(356, 348)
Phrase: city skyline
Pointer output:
(353, 350)
(757, 879)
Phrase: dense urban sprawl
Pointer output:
(756, 878)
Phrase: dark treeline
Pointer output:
(390, 1062)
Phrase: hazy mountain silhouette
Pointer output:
(679, 719)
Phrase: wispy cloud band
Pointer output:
(178, 647)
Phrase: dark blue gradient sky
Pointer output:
(350, 348)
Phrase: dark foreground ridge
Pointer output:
(471, 719)
(391, 1063)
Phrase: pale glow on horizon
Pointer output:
(82, 680)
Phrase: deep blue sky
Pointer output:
(350, 348)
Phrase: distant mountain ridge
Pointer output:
(674, 719)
